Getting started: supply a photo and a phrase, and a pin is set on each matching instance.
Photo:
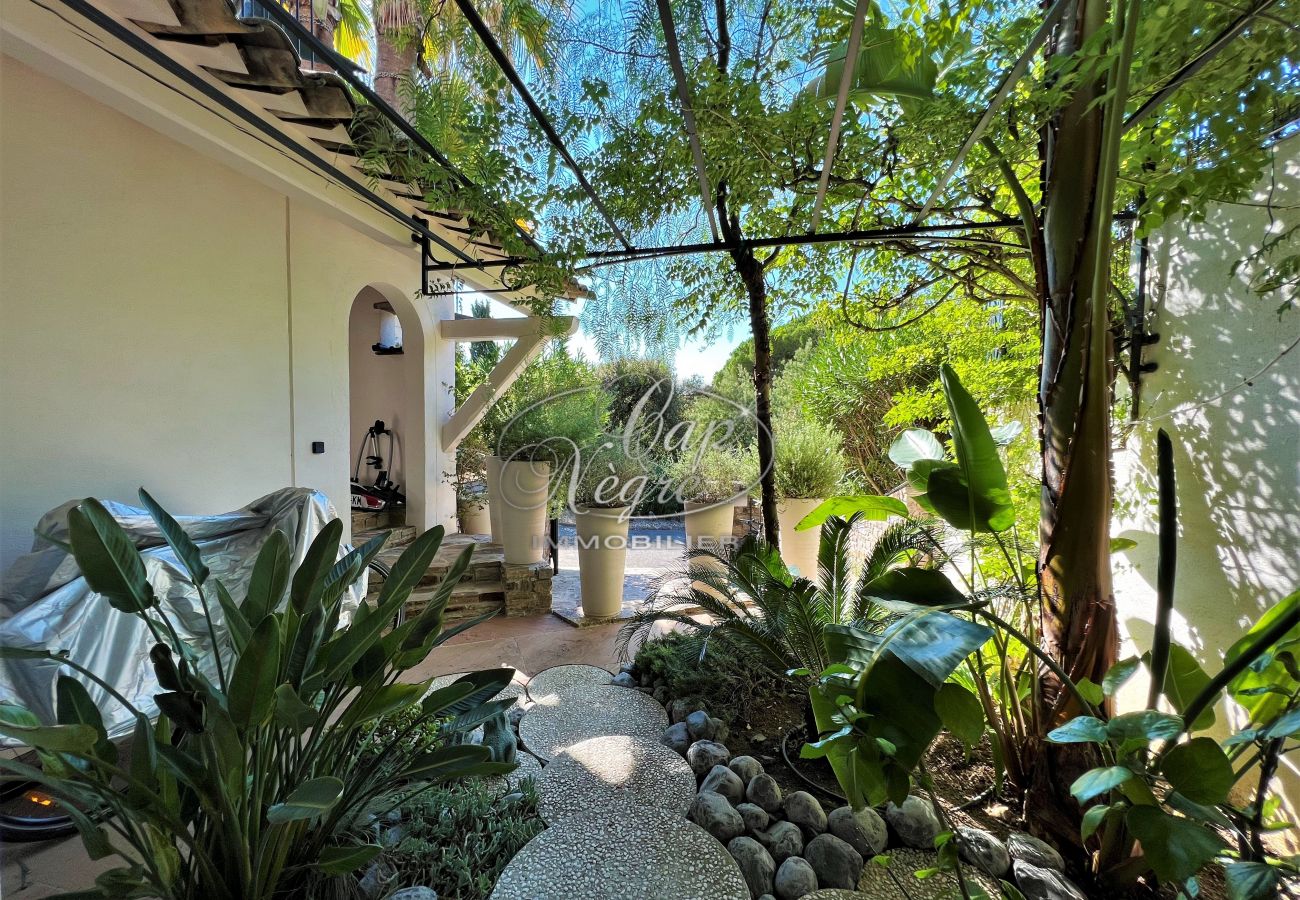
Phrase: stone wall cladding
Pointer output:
(528, 588)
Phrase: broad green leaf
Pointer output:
(1142, 727)
(912, 445)
(429, 622)
(1174, 847)
(977, 457)
(1079, 730)
(310, 800)
(1184, 680)
(1251, 880)
(1284, 725)
(308, 584)
(1119, 674)
(1199, 770)
(182, 708)
(382, 701)
(270, 578)
(257, 671)
(290, 710)
(342, 860)
(1092, 820)
(110, 563)
(1264, 707)
(933, 643)
(187, 552)
(75, 707)
(910, 586)
(238, 627)
(884, 68)
(1091, 691)
(22, 725)
(961, 713)
(872, 507)
(1120, 544)
(1095, 782)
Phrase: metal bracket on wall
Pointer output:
(1135, 335)
(426, 256)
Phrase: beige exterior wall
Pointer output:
(1236, 446)
(168, 321)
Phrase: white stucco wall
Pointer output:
(171, 322)
(1236, 446)
(377, 388)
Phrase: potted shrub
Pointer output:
(603, 500)
(809, 466)
(711, 481)
(554, 409)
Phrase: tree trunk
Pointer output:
(1078, 613)
(392, 64)
(751, 273)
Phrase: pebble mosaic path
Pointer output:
(614, 800)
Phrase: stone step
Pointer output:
(398, 539)
(468, 599)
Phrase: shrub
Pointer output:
(628, 381)
(246, 787)
(555, 407)
(735, 687)
(809, 462)
(458, 839)
(715, 474)
(608, 477)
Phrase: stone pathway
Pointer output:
(613, 798)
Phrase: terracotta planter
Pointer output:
(798, 548)
(475, 516)
(602, 559)
(523, 488)
(492, 475)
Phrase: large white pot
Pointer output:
(709, 525)
(798, 548)
(492, 475)
(475, 516)
(602, 559)
(523, 489)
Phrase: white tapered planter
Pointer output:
(476, 516)
(602, 559)
(492, 475)
(709, 525)
(524, 488)
(798, 548)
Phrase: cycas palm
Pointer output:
(751, 600)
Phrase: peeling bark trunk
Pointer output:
(1078, 608)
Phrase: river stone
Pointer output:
(1030, 849)
(783, 840)
(795, 878)
(679, 709)
(1039, 883)
(722, 780)
(622, 679)
(701, 726)
(981, 849)
(765, 792)
(720, 731)
(746, 767)
(756, 818)
(802, 809)
(914, 822)
(835, 862)
(414, 893)
(676, 738)
(756, 864)
(715, 815)
(862, 830)
(704, 755)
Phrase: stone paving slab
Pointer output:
(564, 679)
(658, 856)
(615, 773)
(558, 721)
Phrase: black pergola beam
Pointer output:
(507, 68)
(872, 235)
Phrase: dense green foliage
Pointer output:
(457, 839)
(809, 462)
(244, 785)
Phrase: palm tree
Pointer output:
(752, 601)
(433, 38)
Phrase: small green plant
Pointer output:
(735, 686)
(244, 785)
(607, 477)
(713, 474)
(457, 839)
(555, 408)
(809, 463)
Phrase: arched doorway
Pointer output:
(387, 383)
